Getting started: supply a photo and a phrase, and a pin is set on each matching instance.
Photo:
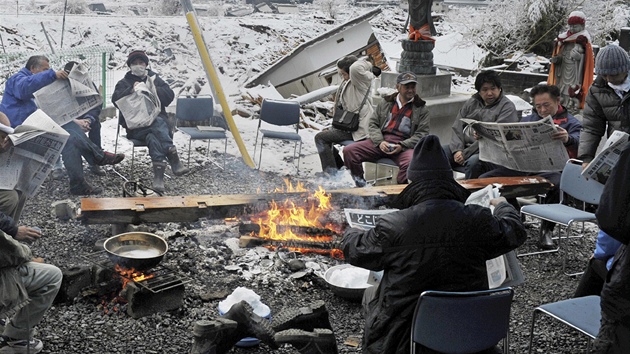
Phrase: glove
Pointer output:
(376, 71)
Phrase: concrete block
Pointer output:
(142, 302)
(428, 85)
(442, 112)
(74, 280)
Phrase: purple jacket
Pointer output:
(18, 102)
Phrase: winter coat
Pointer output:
(13, 254)
(501, 111)
(602, 106)
(18, 101)
(124, 87)
(419, 121)
(353, 93)
(567, 122)
(613, 217)
(437, 243)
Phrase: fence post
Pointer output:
(104, 77)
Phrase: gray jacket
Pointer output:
(602, 107)
(419, 121)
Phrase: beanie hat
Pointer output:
(429, 161)
(612, 60)
(137, 54)
(577, 18)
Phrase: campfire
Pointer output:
(299, 225)
(131, 275)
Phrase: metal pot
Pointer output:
(138, 250)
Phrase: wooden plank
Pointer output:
(137, 210)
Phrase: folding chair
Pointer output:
(582, 313)
(462, 322)
(199, 110)
(135, 144)
(279, 113)
(573, 184)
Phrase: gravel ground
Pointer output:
(199, 250)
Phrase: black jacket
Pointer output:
(437, 243)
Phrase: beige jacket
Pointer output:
(353, 92)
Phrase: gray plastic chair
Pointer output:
(135, 144)
(462, 322)
(571, 183)
(279, 113)
(201, 111)
(582, 313)
(387, 162)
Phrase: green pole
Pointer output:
(104, 77)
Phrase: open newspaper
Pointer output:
(37, 144)
(599, 169)
(141, 107)
(502, 271)
(525, 146)
(65, 100)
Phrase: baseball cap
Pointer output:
(406, 77)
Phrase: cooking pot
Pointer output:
(138, 250)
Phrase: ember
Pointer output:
(129, 275)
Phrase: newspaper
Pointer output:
(37, 145)
(502, 271)
(599, 169)
(141, 107)
(65, 100)
(525, 146)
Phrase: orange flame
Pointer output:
(129, 275)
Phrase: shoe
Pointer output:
(320, 341)
(57, 173)
(86, 189)
(546, 241)
(97, 170)
(210, 336)
(305, 318)
(19, 346)
(250, 324)
(110, 159)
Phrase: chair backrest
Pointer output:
(461, 322)
(280, 112)
(573, 183)
(195, 109)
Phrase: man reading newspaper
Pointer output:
(434, 242)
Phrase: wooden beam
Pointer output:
(136, 210)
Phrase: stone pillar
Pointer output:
(417, 57)
(624, 38)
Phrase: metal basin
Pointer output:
(137, 250)
(349, 293)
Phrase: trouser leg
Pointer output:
(355, 154)
(42, 282)
(156, 137)
(324, 143)
(95, 133)
(12, 202)
(402, 160)
(474, 167)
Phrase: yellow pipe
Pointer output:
(212, 74)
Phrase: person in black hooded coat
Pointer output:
(434, 242)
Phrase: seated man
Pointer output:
(489, 104)
(395, 127)
(434, 242)
(546, 99)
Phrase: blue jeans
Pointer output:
(156, 136)
(77, 146)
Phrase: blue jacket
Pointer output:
(569, 123)
(18, 102)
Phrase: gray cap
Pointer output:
(406, 77)
(612, 60)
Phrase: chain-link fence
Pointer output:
(96, 58)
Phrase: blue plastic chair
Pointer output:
(571, 183)
(201, 111)
(582, 313)
(462, 322)
(279, 113)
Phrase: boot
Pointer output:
(320, 341)
(305, 318)
(176, 165)
(158, 176)
(546, 233)
(209, 335)
(249, 325)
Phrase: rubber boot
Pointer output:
(176, 165)
(158, 176)
(208, 336)
(249, 325)
(320, 341)
(306, 318)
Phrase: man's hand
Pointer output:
(496, 201)
(5, 144)
(561, 135)
(459, 157)
(584, 164)
(390, 149)
(61, 74)
(27, 234)
(37, 260)
(84, 124)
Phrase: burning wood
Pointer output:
(129, 275)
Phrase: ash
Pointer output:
(208, 252)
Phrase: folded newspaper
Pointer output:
(599, 169)
(502, 271)
(37, 145)
(524, 146)
(65, 100)
(142, 106)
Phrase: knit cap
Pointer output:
(429, 161)
(577, 18)
(137, 54)
(612, 60)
